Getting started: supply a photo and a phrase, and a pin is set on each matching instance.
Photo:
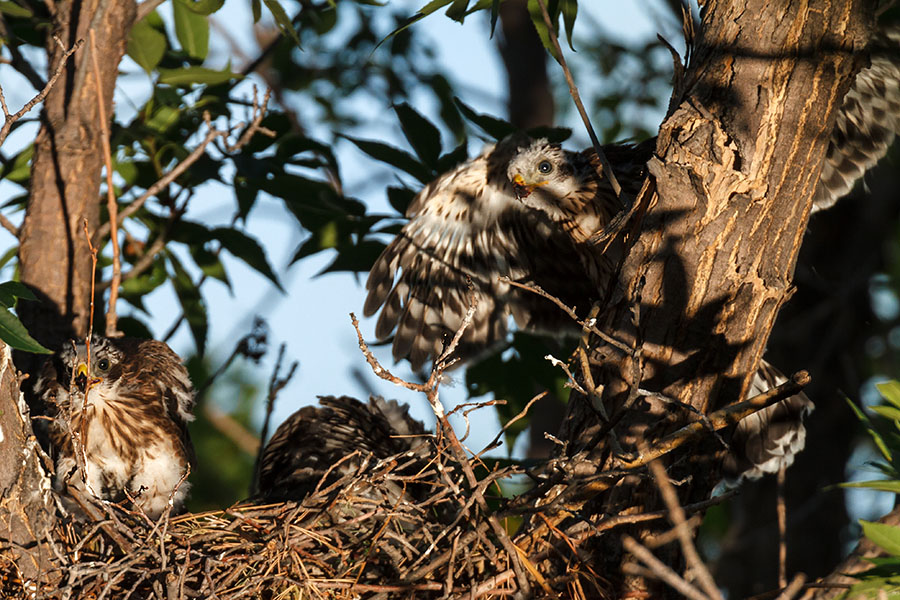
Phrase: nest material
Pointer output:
(353, 538)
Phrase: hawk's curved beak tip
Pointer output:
(520, 188)
(81, 376)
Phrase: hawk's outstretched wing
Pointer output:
(464, 227)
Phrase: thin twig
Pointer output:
(589, 324)
(10, 119)
(111, 204)
(678, 520)
(276, 384)
(781, 511)
(661, 570)
(794, 588)
(573, 90)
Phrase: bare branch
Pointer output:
(662, 571)
(111, 205)
(9, 119)
(685, 539)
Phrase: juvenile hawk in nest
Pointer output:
(525, 209)
(131, 432)
(340, 433)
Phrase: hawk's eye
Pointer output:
(545, 167)
(103, 364)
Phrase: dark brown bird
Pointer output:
(334, 439)
(126, 408)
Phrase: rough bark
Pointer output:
(26, 506)
(737, 163)
(824, 328)
(65, 185)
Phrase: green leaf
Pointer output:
(886, 536)
(205, 7)
(890, 391)
(400, 198)
(257, 10)
(10, 290)
(356, 258)
(133, 327)
(395, 157)
(14, 10)
(882, 485)
(494, 127)
(569, 12)
(423, 12)
(147, 42)
(457, 10)
(873, 433)
(192, 303)
(495, 12)
(191, 29)
(422, 135)
(888, 412)
(14, 333)
(537, 18)
(282, 20)
(18, 170)
(247, 249)
(195, 75)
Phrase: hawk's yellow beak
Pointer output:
(81, 376)
(82, 380)
(522, 188)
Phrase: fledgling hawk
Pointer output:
(342, 432)
(525, 209)
(127, 408)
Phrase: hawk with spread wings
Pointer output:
(525, 209)
(121, 411)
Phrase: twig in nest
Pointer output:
(661, 570)
(111, 205)
(430, 389)
(9, 119)
(794, 588)
(496, 441)
(573, 90)
(678, 520)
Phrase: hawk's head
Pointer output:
(101, 370)
(542, 174)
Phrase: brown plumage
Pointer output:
(133, 427)
(342, 433)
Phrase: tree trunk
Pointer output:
(53, 255)
(530, 98)
(736, 165)
(65, 184)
